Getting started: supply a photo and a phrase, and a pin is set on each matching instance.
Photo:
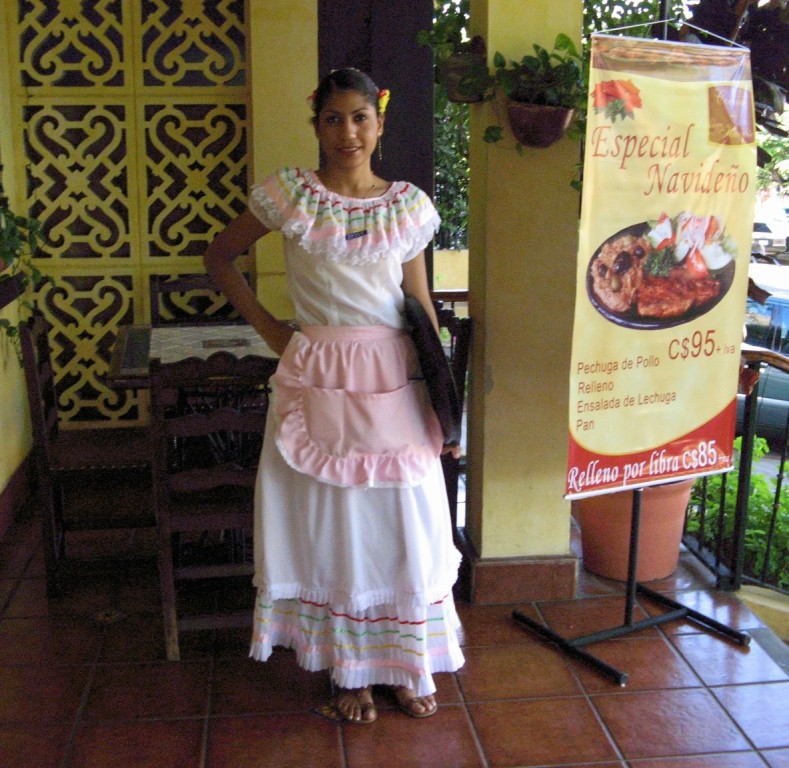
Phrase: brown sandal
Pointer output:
(407, 700)
(361, 696)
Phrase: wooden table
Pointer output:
(136, 345)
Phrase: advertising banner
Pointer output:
(662, 273)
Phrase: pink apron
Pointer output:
(352, 408)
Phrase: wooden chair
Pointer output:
(458, 348)
(86, 479)
(191, 299)
(207, 423)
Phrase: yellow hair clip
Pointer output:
(383, 100)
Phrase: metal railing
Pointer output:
(738, 523)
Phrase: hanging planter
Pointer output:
(537, 125)
(464, 73)
(461, 64)
(543, 93)
(605, 531)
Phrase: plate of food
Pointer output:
(657, 274)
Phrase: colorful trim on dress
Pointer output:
(361, 649)
(399, 224)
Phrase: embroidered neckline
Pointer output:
(311, 182)
(349, 230)
(316, 181)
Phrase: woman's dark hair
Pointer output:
(347, 79)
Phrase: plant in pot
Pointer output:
(544, 93)
(605, 521)
(460, 62)
(20, 237)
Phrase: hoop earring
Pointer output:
(380, 150)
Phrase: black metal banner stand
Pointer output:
(574, 647)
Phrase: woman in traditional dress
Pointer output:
(354, 560)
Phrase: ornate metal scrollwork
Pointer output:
(134, 122)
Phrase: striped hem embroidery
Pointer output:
(314, 633)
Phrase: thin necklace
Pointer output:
(364, 196)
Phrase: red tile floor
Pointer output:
(84, 684)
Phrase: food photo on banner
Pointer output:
(664, 245)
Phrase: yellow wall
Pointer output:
(450, 270)
(523, 243)
(284, 74)
(14, 420)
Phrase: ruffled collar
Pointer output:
(400, 222)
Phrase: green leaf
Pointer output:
(493, 133)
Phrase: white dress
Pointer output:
(354, 559)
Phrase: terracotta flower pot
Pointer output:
(535, 125)
(462, 75)
(605, 531)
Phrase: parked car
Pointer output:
(766, 240)
(772, 406)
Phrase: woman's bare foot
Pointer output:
(413, 705)
(356, 705)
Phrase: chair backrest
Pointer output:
(191, 299)
(459, 331)
(207, 421)
(40, 379)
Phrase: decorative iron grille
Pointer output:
(134, 139)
